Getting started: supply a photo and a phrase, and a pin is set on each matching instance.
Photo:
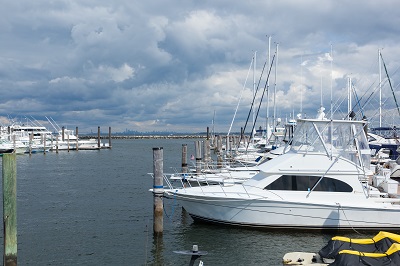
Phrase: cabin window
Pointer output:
(304, 183)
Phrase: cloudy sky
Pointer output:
(180, 65)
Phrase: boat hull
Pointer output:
(286, 214)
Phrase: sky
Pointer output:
(185, 65)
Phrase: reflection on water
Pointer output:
(94, 208)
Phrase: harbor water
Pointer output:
(95, 208)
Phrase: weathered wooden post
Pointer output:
(219, 143)
(98, 137)
(206, 145)
(77, 137)
(184, 158)
(14, 144)
(10, 209)
(57, 143)
(158, 191)
(30, 143)
(68, 140)
(231, 142)
(198, 156)
(208, 133)
(62, 132)
(44, 144)
(109, 137)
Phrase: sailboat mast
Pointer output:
(380, 88)
(301, 87)
(331, 82)
(269, 63)
(276, 77)
(349, 97)
(254, 90)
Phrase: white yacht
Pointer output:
(322, 181)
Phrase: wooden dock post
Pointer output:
(10, 209)
(30, 143)
(184, 158)
(98, 137)
(62, 132)
(68, 140)
(57, 143)
(77, 137)
(44, 144)
(206, 152)
(158, 191)
(198, 155)
(227, 146)
(109, 137)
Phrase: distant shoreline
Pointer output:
(145, 137)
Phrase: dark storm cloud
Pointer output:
(162, 65)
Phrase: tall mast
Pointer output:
(380, 88)
(276, 77)
(269, 65)
(301, 87)
(331, 83)
(254, 90)
(348, 96)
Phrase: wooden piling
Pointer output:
(158, 191)
(62, 132)
(109, 137)
(10, 209)
(206, 144)
(30, 143)
(98, 137)
(68, 141)
(227, 146)
(219, 143)
(44, 144)
(184, 158)
(198, 155)
(231, 142)
(77, 137)
(57, 143)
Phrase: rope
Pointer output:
(348, 221)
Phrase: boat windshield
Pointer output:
(343, 138)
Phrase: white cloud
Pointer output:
(126, 63)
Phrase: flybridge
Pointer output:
(342, 138)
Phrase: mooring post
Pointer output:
(57, 143)
(231, 142)
(10, 209)
(68, 140)
(227, 146)
(77, 136)
(98, 137)
(109, 137)
(198, 155)
(44, 144)
(158, 190)
(184, 158)
(62, 134)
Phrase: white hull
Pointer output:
(321, 182)
(257, 212)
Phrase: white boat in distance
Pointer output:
(321, 182)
